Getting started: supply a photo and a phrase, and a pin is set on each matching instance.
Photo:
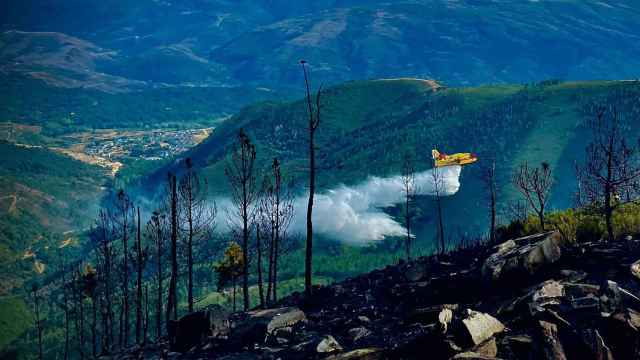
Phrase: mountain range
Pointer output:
(123, 46)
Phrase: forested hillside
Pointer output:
(367, 128)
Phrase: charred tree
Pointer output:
(489, 179)
(240, 171)
(172, 297)
(438, 184)
(535, 185)
(122, 218)
(102, 235)
(156, 231)
(198, 215)
(276, 210)
(313, 124)
(408, 177)
(259, 265)
(612, 167)
(140, 261)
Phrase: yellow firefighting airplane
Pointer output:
(442, 160)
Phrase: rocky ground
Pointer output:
(528, 298)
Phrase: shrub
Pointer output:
(590, 228)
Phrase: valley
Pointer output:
(110, 148)
(155, 167)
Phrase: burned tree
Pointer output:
(122, 217)
(140, 260)
(259, 248)
(198, 215)
(408, 177)
(438, 184)
(172, 296)
(611, 174)
(489, 179)
(156, 231)
(313, 124)
(240, 170)
(65, 303)
(88, 285)
(535, 185)
(102, 236)
(276, 210)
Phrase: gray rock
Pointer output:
(359, 333)
(488, 348)
(599, 349)
(328, 345)
(524, 255)
(286, 318)
(552, 347)
(481, 327)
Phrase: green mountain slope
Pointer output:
(368, 126)
(43, 195)
(250, 42)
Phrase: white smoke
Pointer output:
(353, 214)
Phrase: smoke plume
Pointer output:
(353, 214)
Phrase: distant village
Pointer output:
(151, 145)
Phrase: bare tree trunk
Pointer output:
(139, 281)
(125, 281)
(159, 252)
(94, 328)
(234, 293)
(440, 225)
(121, 332)
(172, 306)
(240, 172)
(259, 265)
(408, 221)
(80, 323)
(66, 309)
(146, 315)
(245, 248)
(190, 242)
(276, 250)
(270, 270)
(313, 126)
(608, 214)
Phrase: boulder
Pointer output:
(635, 269)
(488, 348)
(622, 334)
(527, 255)
(358, 333)
(599, 349)
(286, 319)
(551, 345)
(444, 318)
(414, 272)
(255, 326)
(218, 320)
(328, 345)
(188, 331)
(521, 346)
(481, 327)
